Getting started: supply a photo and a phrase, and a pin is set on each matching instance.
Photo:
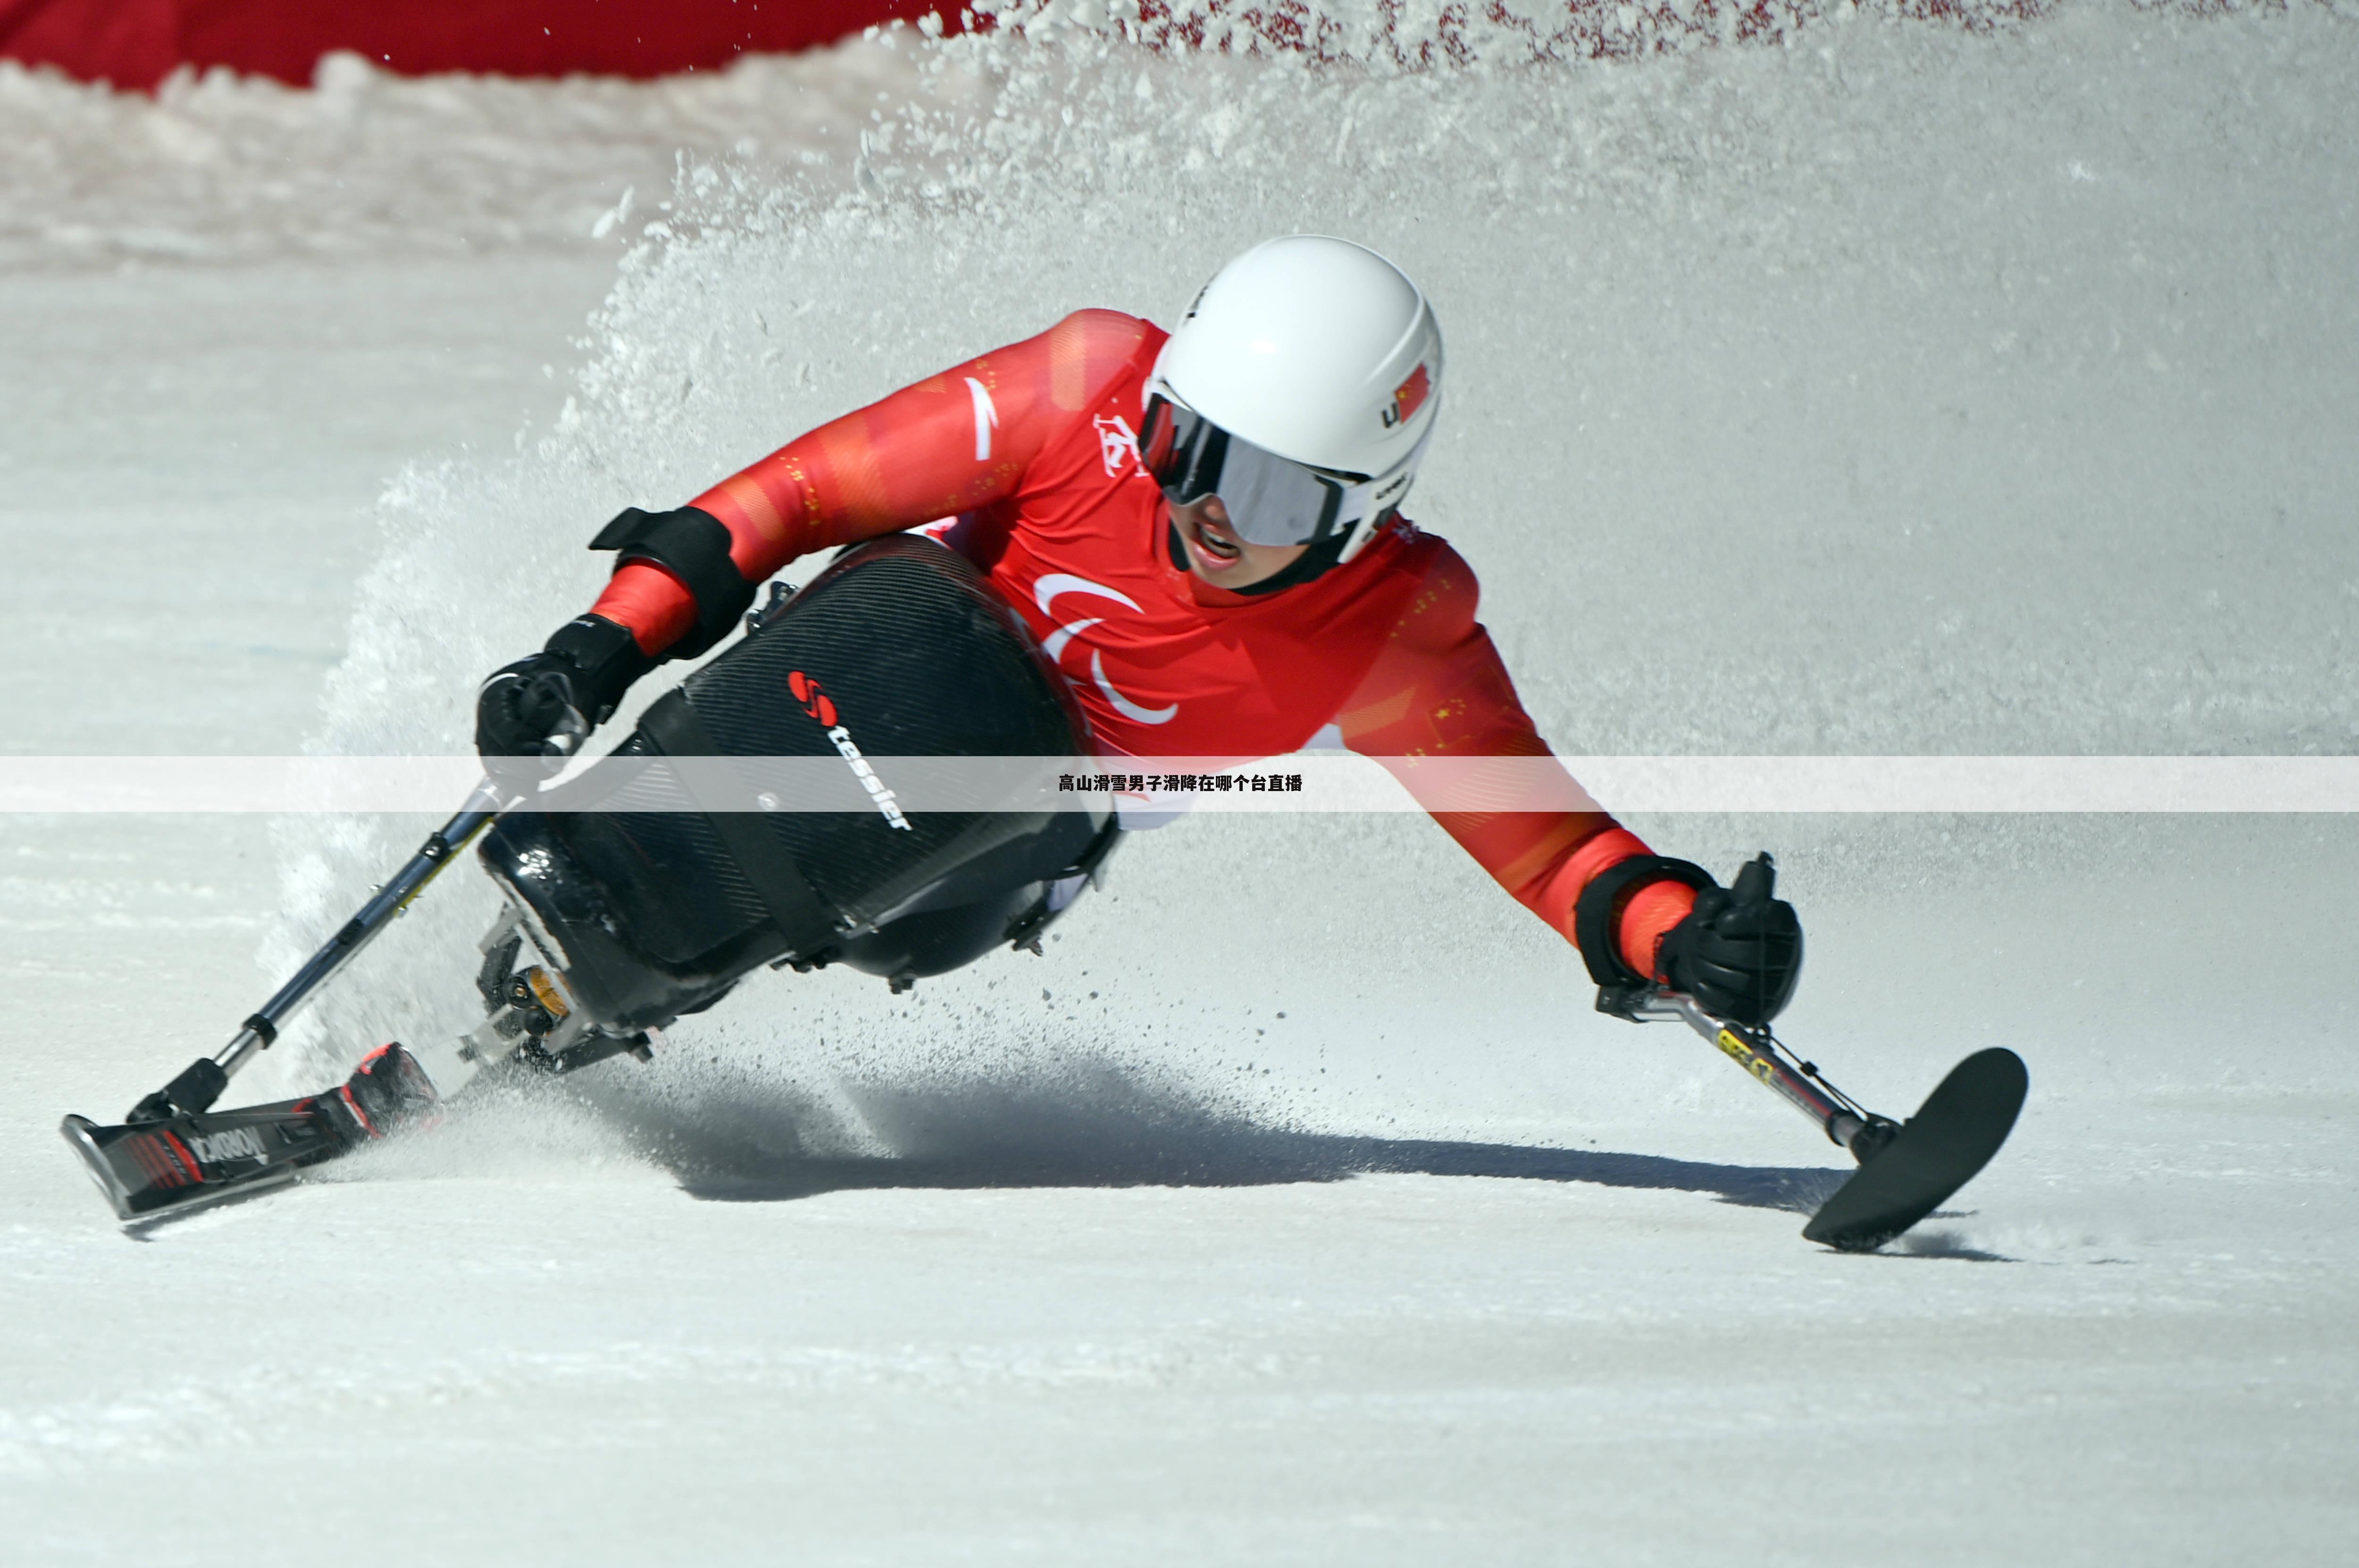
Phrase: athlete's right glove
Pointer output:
(1738, 953)
(533, 714)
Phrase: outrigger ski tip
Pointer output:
(1935, 1153)
(1905, 1169)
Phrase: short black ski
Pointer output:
(157, 1168)
(1936, 1152)
(1906, 1171)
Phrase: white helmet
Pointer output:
(1301, 389)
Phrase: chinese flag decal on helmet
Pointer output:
(1408, 397)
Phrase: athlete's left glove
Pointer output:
(1739, 953)
(533, 714)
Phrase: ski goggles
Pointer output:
(1270, 500)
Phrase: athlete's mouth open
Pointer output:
(1218, 556)
(1218, 547)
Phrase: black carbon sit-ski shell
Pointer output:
(656, 916)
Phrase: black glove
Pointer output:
(534, 713)
(1740, 952)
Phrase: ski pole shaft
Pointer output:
(440, 848)
(1758, 1055)
(197, 1088)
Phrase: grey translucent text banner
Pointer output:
(1308, 782)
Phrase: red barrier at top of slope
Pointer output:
(137, 43)
(132, 43)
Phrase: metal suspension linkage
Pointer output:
(1843, 1118)
(202, 1081)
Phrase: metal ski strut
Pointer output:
(201, 1084)
(1844, 1121)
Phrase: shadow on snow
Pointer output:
(1273, 1156)
(1084, 1125)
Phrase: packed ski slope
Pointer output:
(1877, 387)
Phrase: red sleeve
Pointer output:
(1438, 689)
(950, 444)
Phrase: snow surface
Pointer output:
(1881, 387)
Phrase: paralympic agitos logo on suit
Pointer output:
(822, 707)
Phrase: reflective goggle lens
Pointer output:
(1270, 500)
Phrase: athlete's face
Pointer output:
(1215, 552)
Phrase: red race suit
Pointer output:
(1033, 450)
